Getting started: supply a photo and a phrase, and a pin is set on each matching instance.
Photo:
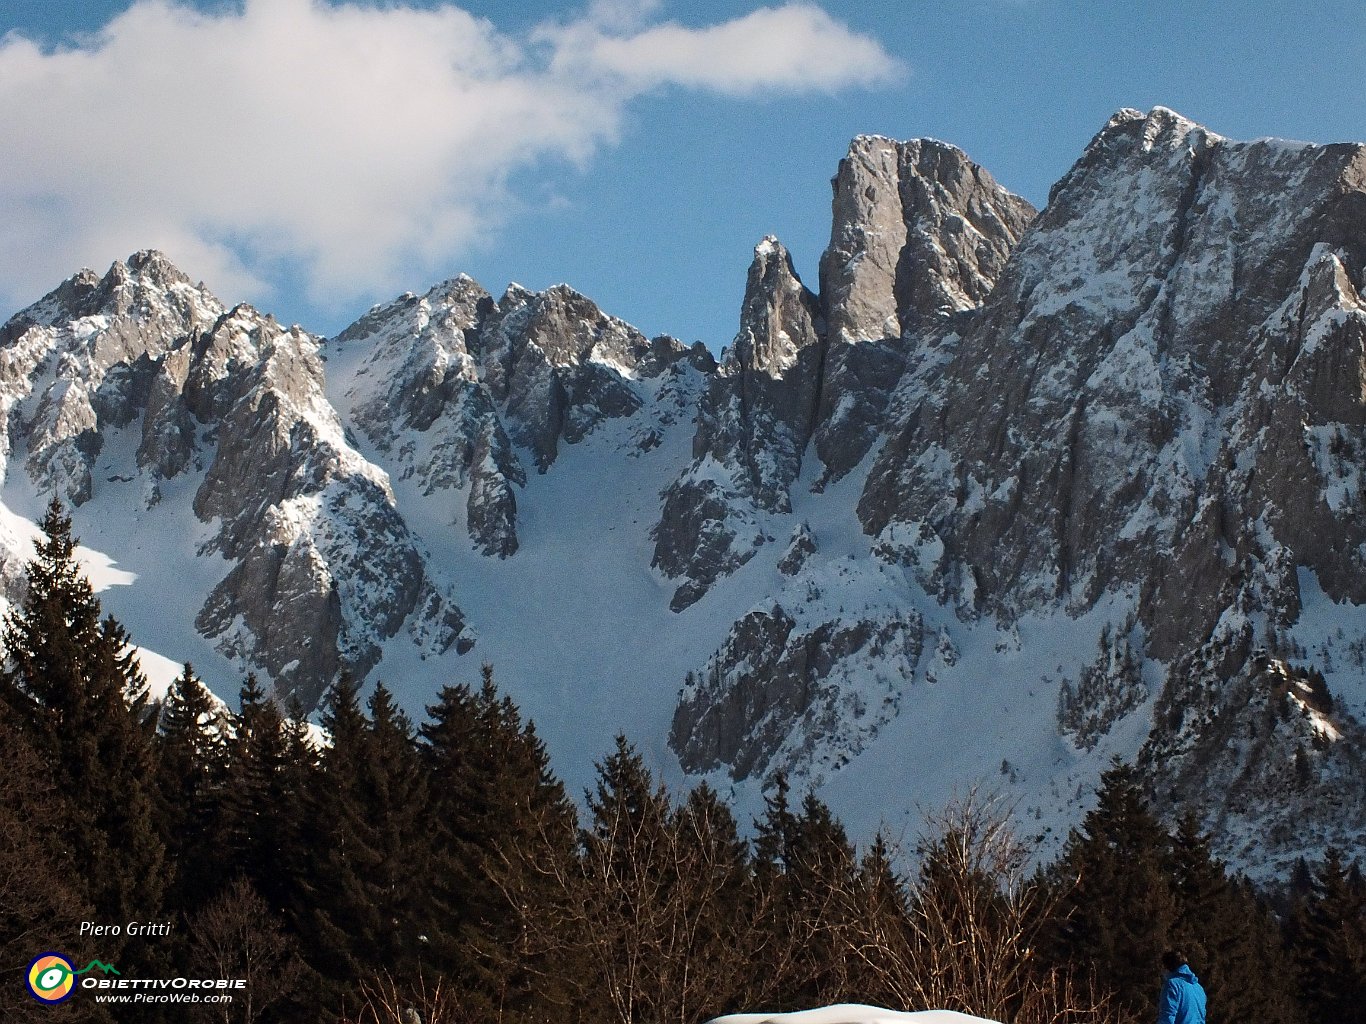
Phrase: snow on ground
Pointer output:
(18, 535)
(853, 1013)
(1333, 636)
(578, 628)
(576, 623)
(143, 563)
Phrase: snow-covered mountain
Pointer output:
(1009, 494)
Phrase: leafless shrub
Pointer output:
(386, 1000)
(236, 936)
(966, 936)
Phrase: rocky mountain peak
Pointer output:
(918, 230)
(778, 318)
(568, 329)
(148, 279)
(1131, 139)
(753, 425)
(153, 265)
(148, 282)
(1078, 485)
(1159, 122)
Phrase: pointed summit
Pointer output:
(148, 279)
(918, 230)
(155, 265)
(779, 317)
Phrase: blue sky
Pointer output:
(595, 147)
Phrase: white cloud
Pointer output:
(354, 139)
(794, 47)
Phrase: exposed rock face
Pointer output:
(802, 697)
(1014, 493)
(311, 526)
(799, 549)
(1267, 759)
(1156, 409)
(761, 409)
(322, 568)
(417, 397)
(919, 231)
(1067, 439)
(81, 360)
(558, 366)
(1132, 406)
(447, 386)
(752, 429)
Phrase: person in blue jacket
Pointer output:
(1182, 1000)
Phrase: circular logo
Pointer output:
(51, 978)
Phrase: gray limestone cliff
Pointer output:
(1075, 484)
(320, 568)
(919, 232)
(754, 423)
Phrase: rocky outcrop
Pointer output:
(321, 569)
(800, 547)
(786, 692)
(318, 546)
(1070, 435)
(760, 411)
(448, 386)
(412, 387)
(754, 424)
(1151, 405)
(82, 359)
(1266, 758)
(919, 230)
(557, 366)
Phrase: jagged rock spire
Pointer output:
(918, 230)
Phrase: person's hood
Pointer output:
(1184, 973)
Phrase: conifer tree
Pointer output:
(74, 684)
(393, 797)
(502, 838)
(299, 750)
(776, 913)
(804, 864)
(191, 768)
(526, 806)
(338, 905)
(628, 872)
(1231, 939)
(1329, 943)
(450, 749)
(262, 813)
(774, 832)
(714, 957)
(881, 941)
(822, 865)
(40, 888)
(1117, 909)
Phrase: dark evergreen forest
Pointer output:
(437, 871)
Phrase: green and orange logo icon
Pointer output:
(51, 978)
